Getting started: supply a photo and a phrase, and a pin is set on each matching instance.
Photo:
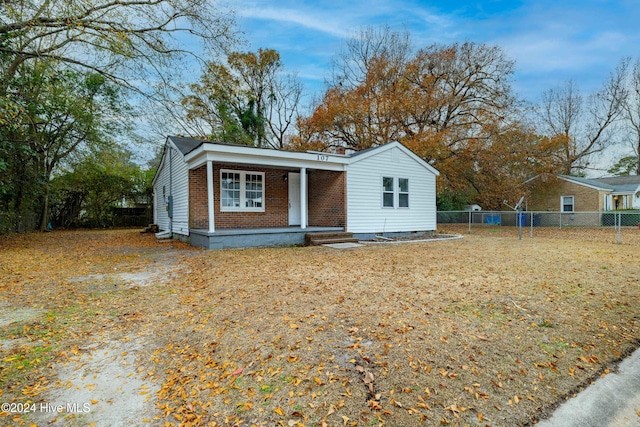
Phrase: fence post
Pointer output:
(531, 226)
(470, 212)
(619, 227)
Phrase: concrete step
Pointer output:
(319, 242)
(322, 238)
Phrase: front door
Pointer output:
(294, 198)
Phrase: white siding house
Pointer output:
(171, 184)
(382, 190)
(390, 190)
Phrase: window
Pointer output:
(253, 191)
(403, 192)
(241, 191)
(567, 203)
(387, 192)
(395, 192)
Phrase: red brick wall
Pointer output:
(276, 212)
(276, 203)
(198, 210)
(327, 199)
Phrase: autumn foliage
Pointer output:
(450, 104)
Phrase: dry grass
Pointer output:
(485, 330)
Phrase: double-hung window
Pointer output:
(567, 203)
(388, 195)
(403, 192)
(395, 192)
(241, 191)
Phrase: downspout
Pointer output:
(170, 211)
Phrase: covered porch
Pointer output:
(243, 197)
(254, 237)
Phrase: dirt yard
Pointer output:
(111, 328)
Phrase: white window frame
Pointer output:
(403, 192)
(392, 192)
(395, 192)
(243, 192)
(573, 204)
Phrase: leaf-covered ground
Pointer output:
(484, 330)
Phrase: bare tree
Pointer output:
(359, 52)
(116, 38)
(460, 90)
(583, 127)
(282, 108)
(632, 112)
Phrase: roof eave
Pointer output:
(263, 157)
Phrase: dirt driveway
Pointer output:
(112, 328)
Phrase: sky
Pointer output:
(551, 41)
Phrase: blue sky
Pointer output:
(550, 41)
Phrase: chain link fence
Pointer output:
(621, 227)
(12, 223)
(117, 217)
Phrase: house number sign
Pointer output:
(323, 158)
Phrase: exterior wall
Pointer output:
(276, 202)
(172, 179)
(545, 196)
(365, 213)
(326, 199)
(198, 198)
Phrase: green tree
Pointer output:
(237, 102)
(64, 114)
(625, 166)
(84, 194)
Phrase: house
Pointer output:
(222, 195)
(564, 193)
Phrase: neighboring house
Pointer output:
(224, 195)
(567, 194)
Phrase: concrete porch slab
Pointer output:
(342, 245)
(253, 237)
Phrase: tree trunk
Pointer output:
(45, 209)
(638, 157)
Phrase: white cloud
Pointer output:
(313, 20)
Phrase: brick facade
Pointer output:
(545, 195)
(198, 202)
(326, 199)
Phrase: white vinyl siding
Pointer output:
(414, 199)
(172, 180)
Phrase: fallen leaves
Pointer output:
(297, 335)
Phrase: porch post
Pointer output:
(303, 198)
(212, 227)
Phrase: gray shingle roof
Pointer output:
(621, 180)
(621, 184)
(590, 182)
(186, 144)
